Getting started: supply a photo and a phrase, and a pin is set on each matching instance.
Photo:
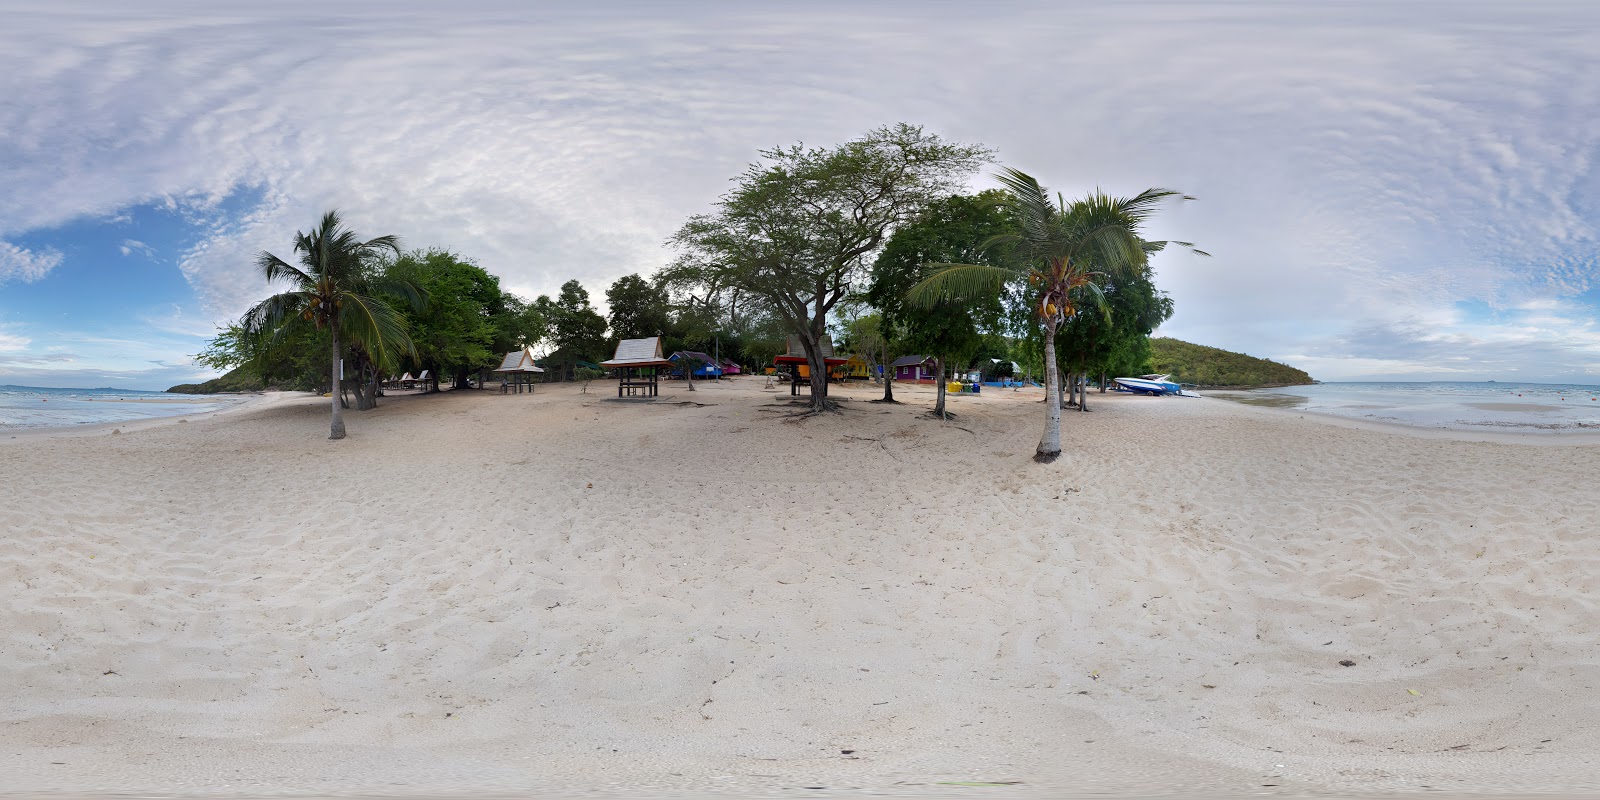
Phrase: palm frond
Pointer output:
(411, 294)
(1097, 297)
(275, 268)
(959, 282)
(376, 325)
(270, 314)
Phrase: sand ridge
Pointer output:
(704, 594)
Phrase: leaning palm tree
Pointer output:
(332, 289)
(1062, 254)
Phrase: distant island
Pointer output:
(1214, 368)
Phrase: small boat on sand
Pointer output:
(1154, 385)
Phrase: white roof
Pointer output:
(518, 361)
(636, 351)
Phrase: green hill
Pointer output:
(236, 380)
(1213, 368)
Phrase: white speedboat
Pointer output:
(1154, 385)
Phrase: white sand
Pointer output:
(568, 594)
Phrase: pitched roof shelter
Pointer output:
(642, 355)
(519, 365)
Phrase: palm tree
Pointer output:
(332, 289)
(1062, 254)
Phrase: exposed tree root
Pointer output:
(1046, 458)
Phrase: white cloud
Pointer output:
(25, 265)
(131, 246)
(12, 342)
(1360, 167)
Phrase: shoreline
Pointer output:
(1563, 437)
(247, 402)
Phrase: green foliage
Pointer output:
(517, 323)
(1114, 339)
(950, 230)
(577, 330)
(454, 332)
(638, 308)
(334, 288)
(297, 361)
(796, 231)
(1211, 367)
(238, 379)
(1056, 262)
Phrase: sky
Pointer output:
(1390, 191)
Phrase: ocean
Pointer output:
(35, 407)
(1487, 406)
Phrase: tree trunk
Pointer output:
(1050, 443)
(1064, 390)
(811, 342)
(336, 429)
(888, 376)
(938, 406)
(1083, 394)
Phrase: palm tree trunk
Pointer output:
(938, 406)
(1083, 393)
(336, 430)
(1050, 443)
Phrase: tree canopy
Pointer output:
(798, 229)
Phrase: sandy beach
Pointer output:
(568, 594)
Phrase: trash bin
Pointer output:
(977, 387)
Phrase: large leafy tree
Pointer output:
(639, 308)
(255, 361)
(800, 228)
(1117, 338)
(1061, 254)
(334, 290)
(952, 230)
(577, 330)
(454, 332)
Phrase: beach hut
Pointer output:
(517, 369)
(730, 368)
(917, 368)
(855, 366)
(637, 363)
(704, 365)
(795, 359)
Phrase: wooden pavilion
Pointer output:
(799, 368)
(518, 368)
(638, 363)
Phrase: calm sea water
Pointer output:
(34, 407)
(1534, 407)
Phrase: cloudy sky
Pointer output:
(1390, 191)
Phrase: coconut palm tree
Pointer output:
(1062, 254)
(333, 288)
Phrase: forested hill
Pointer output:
(237, 380)
(1211, 367)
